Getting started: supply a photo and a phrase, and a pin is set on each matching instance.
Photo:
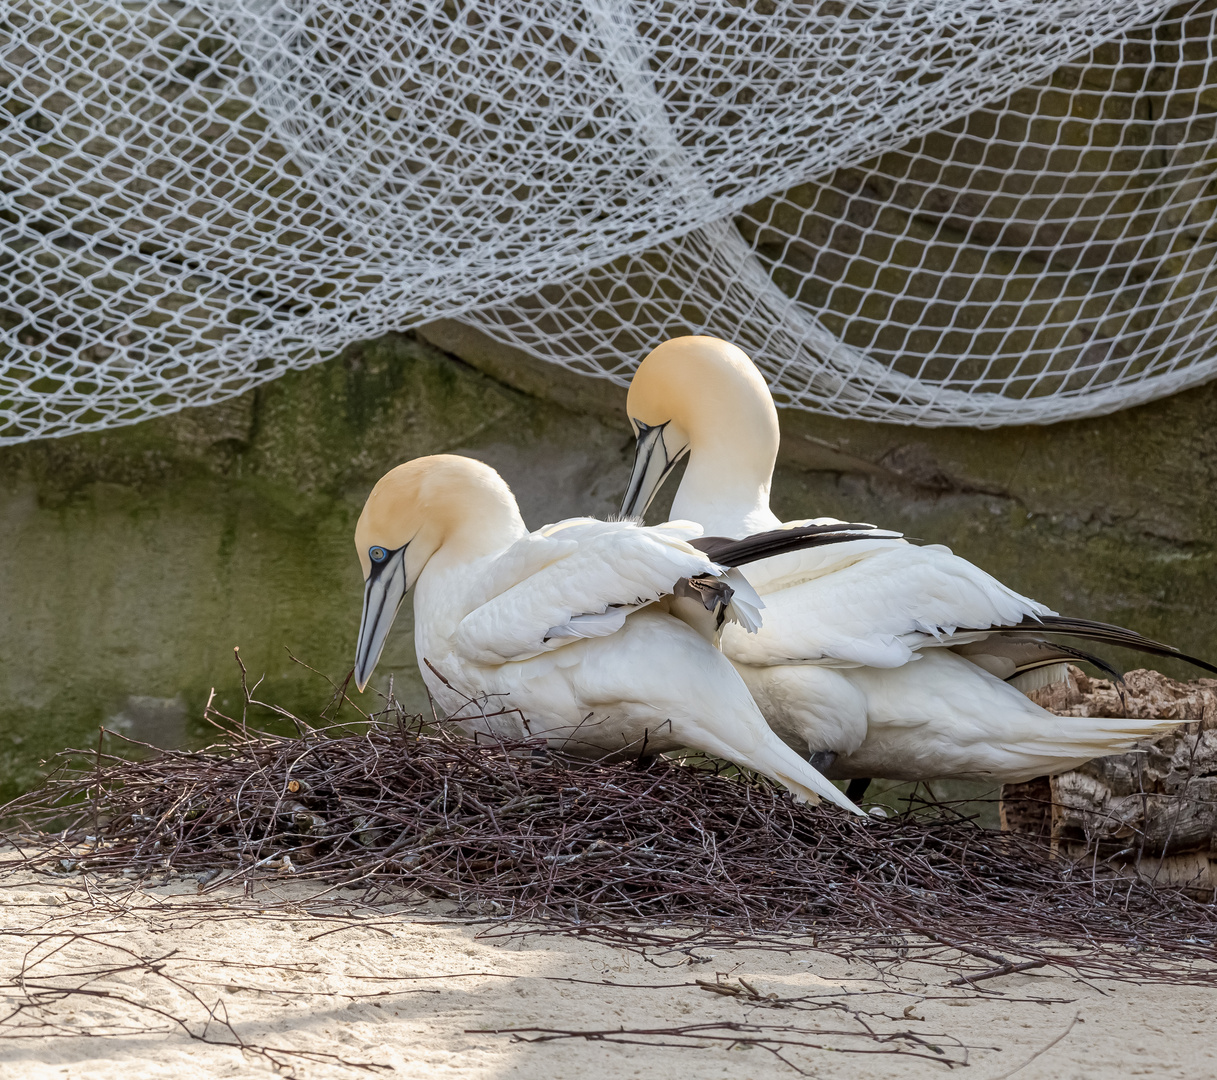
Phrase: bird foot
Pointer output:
(822, 760)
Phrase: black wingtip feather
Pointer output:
(1069, 653)
(1105, 632)
(729, 552)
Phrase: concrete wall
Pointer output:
(132, 562)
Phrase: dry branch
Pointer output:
(657, 854)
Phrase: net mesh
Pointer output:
(975, 212)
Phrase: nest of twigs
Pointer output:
(510, 831)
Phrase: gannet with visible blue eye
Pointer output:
(558, 634)
(832, 667)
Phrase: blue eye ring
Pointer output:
(377, 554)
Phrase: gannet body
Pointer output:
(876, 657)
(556, 634)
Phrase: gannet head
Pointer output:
(444, 501)
(689, 395)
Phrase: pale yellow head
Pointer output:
(444, 503)
(702, 396)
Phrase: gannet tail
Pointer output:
(1074, 740)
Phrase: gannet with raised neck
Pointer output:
(703, 397)
(556, 634)
(832, 668)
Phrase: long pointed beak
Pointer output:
(651, 467)
(383, 593)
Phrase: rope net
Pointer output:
(976, 212)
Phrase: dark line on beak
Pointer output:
(653, 436)
(393, 562)
(370, 620)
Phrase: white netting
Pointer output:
(930, 211)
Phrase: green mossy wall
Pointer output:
(132, 562)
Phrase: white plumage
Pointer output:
(579, 578)
(555, 634)
(870, 602)
(854, 665)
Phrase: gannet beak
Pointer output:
(383, 593)
(652, 463)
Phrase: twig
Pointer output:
(659, 856)
(993, 973)
(1040, 1052)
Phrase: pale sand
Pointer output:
(402, 991)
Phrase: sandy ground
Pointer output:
(349, 993)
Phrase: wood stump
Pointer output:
(1151, 812)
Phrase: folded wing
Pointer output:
(577, 579)
(872, 603)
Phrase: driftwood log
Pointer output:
(1151, 812)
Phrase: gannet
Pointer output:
(875, 658)
(558, 634)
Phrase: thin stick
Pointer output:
(1040, 1052)
(993, 973)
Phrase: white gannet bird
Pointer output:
(877, 657)
(558, 634)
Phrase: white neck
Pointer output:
(726, 491)
(452, 584)
(455, 570)
(485, 537)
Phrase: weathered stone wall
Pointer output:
(131, 562)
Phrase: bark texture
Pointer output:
(1151, 811)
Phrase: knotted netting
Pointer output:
(974, 212)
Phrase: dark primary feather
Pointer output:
(1028, 653)
(1098, 631)
(728, 552)
(1054, 653)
